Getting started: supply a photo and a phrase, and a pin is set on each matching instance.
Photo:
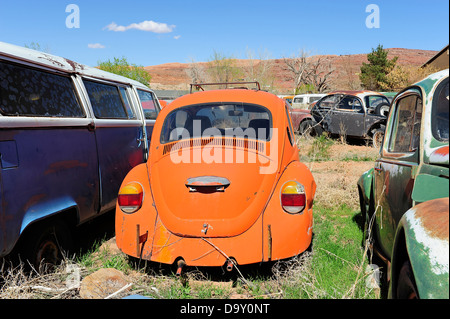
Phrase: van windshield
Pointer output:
(217, 119)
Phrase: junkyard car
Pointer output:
(69, 134)
(304, 101)
(302, 120)
(405, 195)
(355, 114)
(223, 184)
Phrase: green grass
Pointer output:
(320, 148)
(337, 259)
(358, 158)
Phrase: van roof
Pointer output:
(311, 94)
(61, 64)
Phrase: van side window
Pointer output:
(105, 100)
(126, 101)
(29, 92)
(148, 104)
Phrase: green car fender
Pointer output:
(423, 238)
(365, 183)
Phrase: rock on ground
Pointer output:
(102, 283)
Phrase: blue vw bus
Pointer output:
(69, 134)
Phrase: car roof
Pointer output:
(360, 93)
(61, 64)
(263, 98)
(272, 102)
(429, 83)
(310, 94)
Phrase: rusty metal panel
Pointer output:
(427, 236)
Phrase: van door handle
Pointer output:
(91, 127)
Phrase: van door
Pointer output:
(118, 132)
(150, 107)
(48, 158)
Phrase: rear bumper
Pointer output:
(150, 240)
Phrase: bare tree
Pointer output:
(260, 69)
(297, 65)
(314, 72)
(196, 72)
(318, 74)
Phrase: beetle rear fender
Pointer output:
(298, 171)
(284, 234)
(423, 237)
(132, 229)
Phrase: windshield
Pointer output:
(217, 119)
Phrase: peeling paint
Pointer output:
(440, 155)
(436, 248)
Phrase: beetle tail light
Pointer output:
(293, 197)
(130, 197)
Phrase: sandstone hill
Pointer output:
(174, 76)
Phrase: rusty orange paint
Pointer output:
(243, 220)
(434, 217)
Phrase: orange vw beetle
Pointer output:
(223, 184)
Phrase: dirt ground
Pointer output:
(336, 178)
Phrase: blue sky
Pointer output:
(156, 32)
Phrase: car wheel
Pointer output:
(309, 128)
(44, 245)
(377, 137)
(382, 109)
(406, 285)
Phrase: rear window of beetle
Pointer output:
(217, 119)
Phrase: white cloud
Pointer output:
(148, 26)
(96, 46)
(177, 37)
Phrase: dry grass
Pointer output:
(336, 177)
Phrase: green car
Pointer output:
(404, 198)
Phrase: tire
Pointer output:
(309, 128)
(383, 109)
(44, 245)
(377, 137)
(406, 284)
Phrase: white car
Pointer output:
(303, 101)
